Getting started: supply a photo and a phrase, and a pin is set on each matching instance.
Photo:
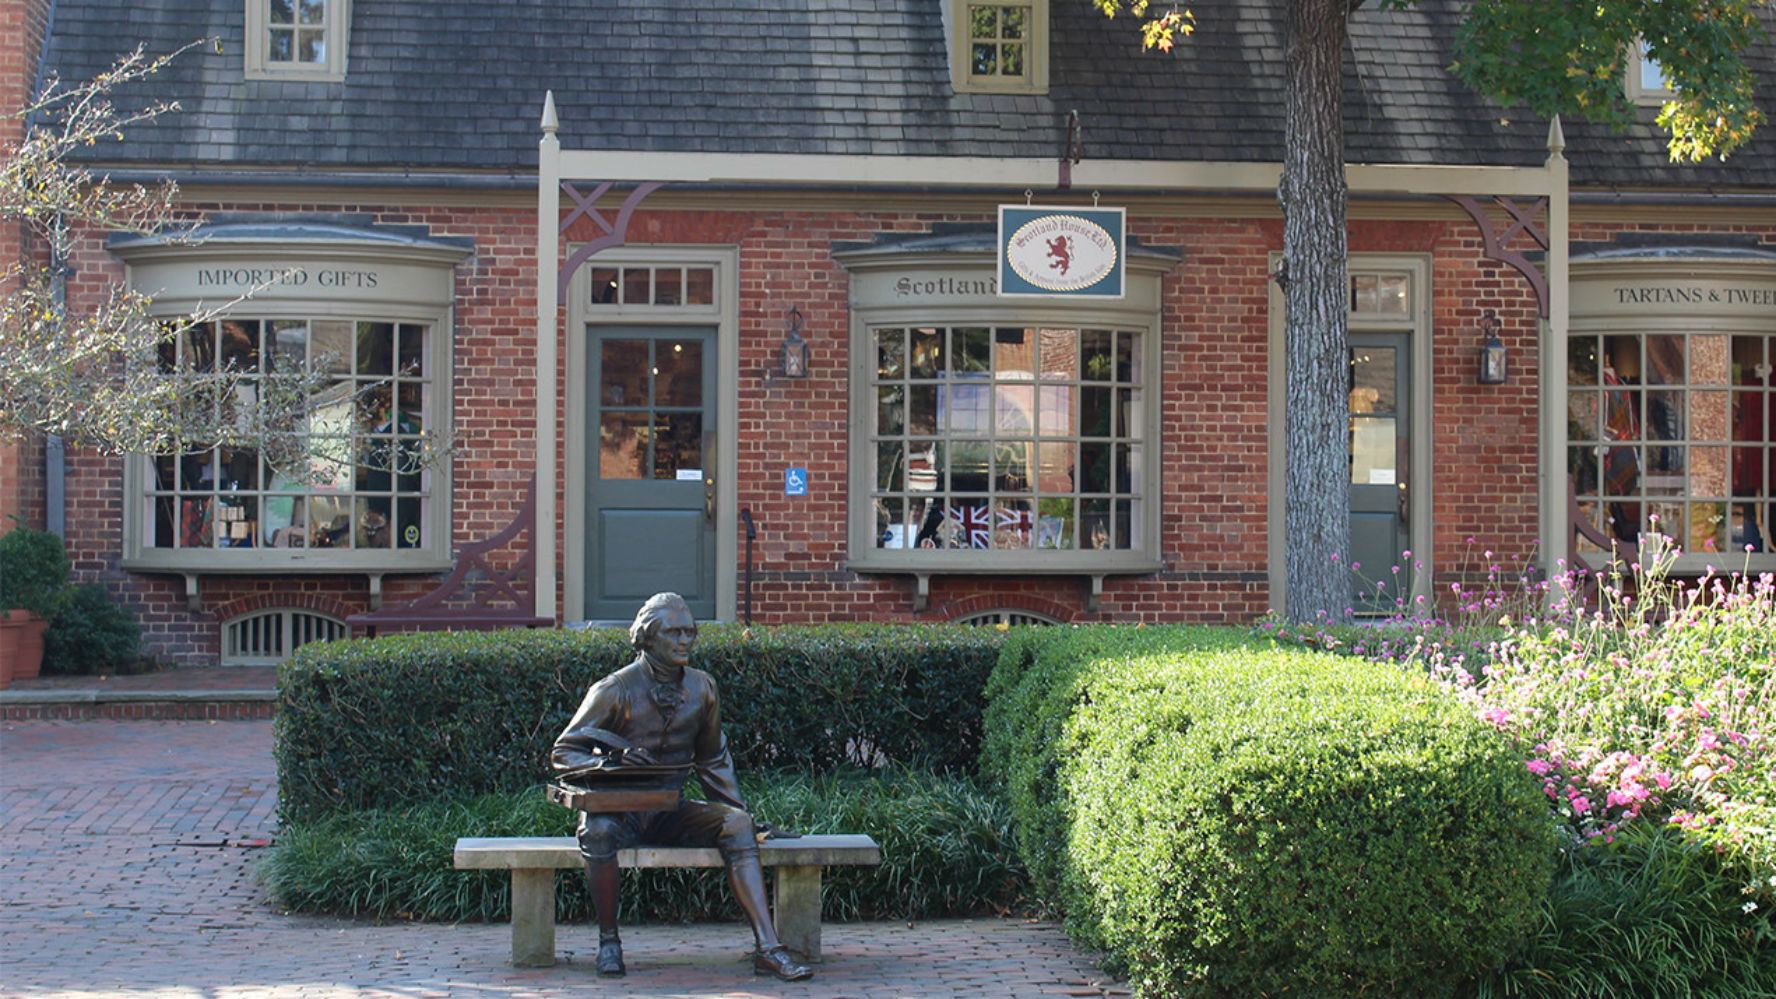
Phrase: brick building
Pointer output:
(832, 174)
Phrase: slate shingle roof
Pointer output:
(457, 85)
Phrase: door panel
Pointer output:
(1380, 384)
(651, 471)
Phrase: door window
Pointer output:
(650, 423)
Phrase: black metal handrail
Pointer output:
(751, 533)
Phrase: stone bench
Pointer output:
(533, 861)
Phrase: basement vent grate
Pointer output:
(993, 618)
(265, 638)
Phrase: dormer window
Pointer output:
(1645, 78)
(999, 47)
(297, 39)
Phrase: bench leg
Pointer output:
(533, 917)
(797, 901)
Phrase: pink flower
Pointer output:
(1539, 767)
(1581, 804)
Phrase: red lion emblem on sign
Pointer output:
(1060, 249)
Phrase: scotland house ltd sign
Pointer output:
(1050, 251)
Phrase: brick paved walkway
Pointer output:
(126, 858)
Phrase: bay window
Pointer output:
(1004, 438)
(357, 482)
(358, 485)
(1672, 432)
(1671, 401)
(1000, 434)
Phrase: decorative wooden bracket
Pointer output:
(431, 613)
(1498, 245)
(615, 234)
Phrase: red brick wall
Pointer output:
(1212, 455)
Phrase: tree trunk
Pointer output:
(1316, 523)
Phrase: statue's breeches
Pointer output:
(694, 823)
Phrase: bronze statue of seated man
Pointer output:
(658, 712)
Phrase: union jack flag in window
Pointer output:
(973, 526)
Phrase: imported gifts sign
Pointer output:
(1056, 251)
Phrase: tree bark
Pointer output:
(1316, 521)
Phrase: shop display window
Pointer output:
(1675, 432)
(1028, 439)
(353, 479)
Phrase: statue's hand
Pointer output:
(636, 755)
(764, 830)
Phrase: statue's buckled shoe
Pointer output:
(777, 961)
(610, 958)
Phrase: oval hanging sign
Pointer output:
(1060, 251)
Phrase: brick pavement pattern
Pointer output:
(127, 851)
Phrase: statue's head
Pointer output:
(646, 627)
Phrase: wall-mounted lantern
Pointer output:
(1493, 369)
(795, 349)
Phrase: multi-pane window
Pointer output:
(296, 39)
(1675, 433)
(999, 40)
(1645, 79)
(1380, 293)
(352, 478)
(296, 32)
(1007, 438)
(642, 285)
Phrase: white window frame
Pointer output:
(957, 28)
(875, 274)
(414, 284)
(257, 48)
(1683, 295)
(1634, 84)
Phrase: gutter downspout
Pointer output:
(55, 450)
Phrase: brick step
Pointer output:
(137, 705)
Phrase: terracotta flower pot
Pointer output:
(21, 645)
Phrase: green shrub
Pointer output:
(380, 722)
(1034, 689)
(92, 635)
(1654, 913)
(34, 572)
(946, 851)
(1253, 821)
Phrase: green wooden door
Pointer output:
(651, 469)
(1380, 442)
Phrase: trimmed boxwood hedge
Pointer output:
(947, 850)
(1226, 818)
(379, 722)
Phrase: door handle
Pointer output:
(709, 481)
(1402, 495)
